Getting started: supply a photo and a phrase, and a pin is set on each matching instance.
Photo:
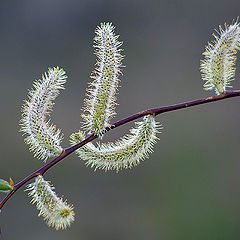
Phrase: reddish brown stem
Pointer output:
(152, 111)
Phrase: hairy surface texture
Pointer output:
(124, 153)
(220, 56)
(42, 136)
(56, 212)
(100, 102)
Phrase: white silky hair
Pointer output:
(42, 136)
(217, 67)
(100, 102)
(127, 152)
(56, 212)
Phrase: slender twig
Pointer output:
(152, 111)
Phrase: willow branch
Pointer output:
(152, 111)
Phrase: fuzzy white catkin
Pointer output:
(42, 136)
(56, 212)
(124, 153)
(100, 102)
(220, 56)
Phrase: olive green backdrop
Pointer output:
(189, 188)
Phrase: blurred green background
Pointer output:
(189, 188)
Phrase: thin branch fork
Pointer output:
(152, 111)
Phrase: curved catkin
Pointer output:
(42, 136)
(220, 56)
(100, 102)
(56, 212)
(124, 153)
